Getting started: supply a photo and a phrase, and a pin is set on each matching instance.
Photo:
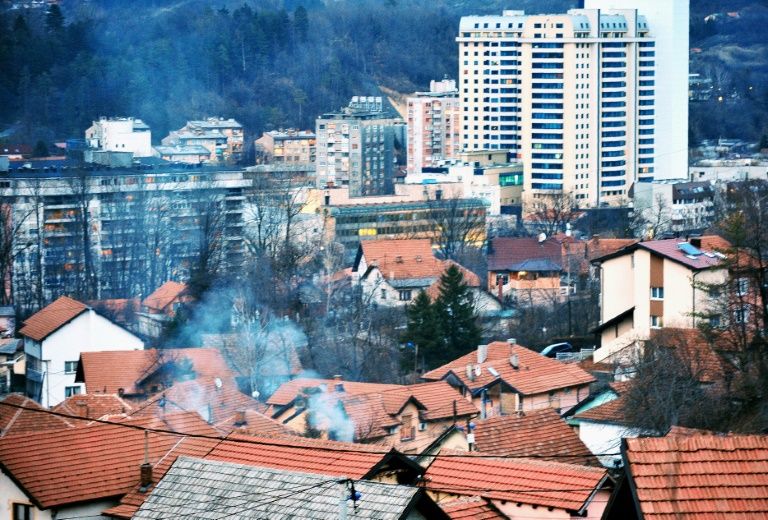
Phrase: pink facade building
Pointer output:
(433, 125)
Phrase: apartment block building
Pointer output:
(572, 95)
(287, 146)
(433, 125)
(357, 147)
(120, 232)
(120, 134)
(223, 138)
(674, 206)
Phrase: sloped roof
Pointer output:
(51, 318)
(694, 349)
(509, 252)
(93, 406)
(164, 296)
(240, 491)
(107, 372)
(611, 412)
(289, 390)
(710, 257)
(437, 397)
(534, 482)
(705, 477)
(9, 346)
(252, 422)
(540, 434)
(536, 373)
(80, 464)
(18, 420)
(472, 508)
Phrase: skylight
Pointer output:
(688, 249)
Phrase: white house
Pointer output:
(121, 134)
(54, 338)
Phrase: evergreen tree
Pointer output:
(301, 23)
(54, 19)
(422, 333)
(40, 150)
(456, 318)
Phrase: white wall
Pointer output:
(89, 332)
(10, 493)
(605, 438)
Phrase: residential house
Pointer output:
(223, 138)
(189, 154)
(94, 406)
(653, 284)
(120, 134)
(408, 417)
(672, 206)
(691, 475)
(12, 364)
(525, 271)
(137, 375)
(504, 378)
(289, 146)
(392, 272)
(255, 492)
(54, 339)
(160, 307)
(539, 434)
(520, 488)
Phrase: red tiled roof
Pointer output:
(540, 483)
(93, 406)
(289, 390)
(695, 350)
(613, 411)
(81, 464)
(107, 372)
(542, 434)
(706, 477)
(438, 398)
(506, 252)
(17, 420)
(51, 318)
(214, 401)
(402, 258)
(164, 296)
(471, 508)
(252, 422)
(536, 373)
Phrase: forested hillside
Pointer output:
(278, 63)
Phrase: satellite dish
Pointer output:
(542, 237)
(217, 382)
(255, 394)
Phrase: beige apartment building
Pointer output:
(572, 95)
(655, 284)
(433, 125)
(223, 138)
(287, 146)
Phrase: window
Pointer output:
(69, 391)
(657, 293)
(70, 367)
(407, 430)
(742, 286)
(656, 322)
(22, 511)
(741, 315)
(714, 321)
(405, 296)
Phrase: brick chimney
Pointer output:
(146, 476)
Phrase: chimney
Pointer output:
(482, 353)
(337, 377)
(696, 242)
(514, 360)
(239, 417)
(512, 341)
(146, 476)
(339, 387)
(470, 373)
(82, 408)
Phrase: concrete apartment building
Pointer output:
(145, 224)
(223, 138)
(287, 146)
(434, 120)
(674, 206)
(356, 147)
(120, 134)
(575, 96)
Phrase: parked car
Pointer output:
(553, 350)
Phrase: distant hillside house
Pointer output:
(54, 338)
(120, 134)
(223, 138)
(160, 307)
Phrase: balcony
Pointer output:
(35, 375)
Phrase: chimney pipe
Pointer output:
(514, 360)
(512, 341)
(240, 418)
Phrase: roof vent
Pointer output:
(512, 341)
(470, 373)
(493, 371)
(514, 360)
(478, 370)
(398, 259)
(418, 258)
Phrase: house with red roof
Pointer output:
(160, 307)
(55, 336)
(517, 488)
(392, 272)
(408, 417)
(504, 378)
(690, 474)
(526, 270)
(654, 284)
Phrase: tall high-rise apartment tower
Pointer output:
(434, 120)
(575, 96)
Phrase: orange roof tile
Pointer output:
(289, 390)
(472, 508)
(542, 434)
(164, 296)
(402, 259)
(706, 477)
(51, 318)
(93, 406)
(17, 420)
(695, 350)
(252, 422)
(536, 373)
(81, 464)
(540, 483)
(108, 372)
(611, 412)
(437, 397)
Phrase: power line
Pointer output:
(335, 449)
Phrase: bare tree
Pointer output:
(552, 213)
(12, 243)
(86, 277)
(458, 224)
(650, 219)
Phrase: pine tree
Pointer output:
(54, 19)
(456, 318)
(40, 150)
(421, 333)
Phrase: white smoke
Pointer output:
(326, 413)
